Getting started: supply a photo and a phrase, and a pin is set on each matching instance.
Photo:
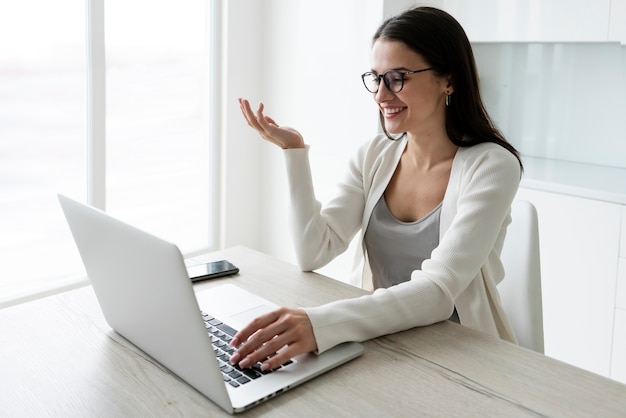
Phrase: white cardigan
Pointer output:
(463, 270)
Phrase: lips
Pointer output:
(390, 111)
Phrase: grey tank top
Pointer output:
(396, 248)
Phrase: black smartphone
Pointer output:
(211, 270)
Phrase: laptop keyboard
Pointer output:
(221, 335)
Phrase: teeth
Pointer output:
(393, 110)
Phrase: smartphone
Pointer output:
(211, 270)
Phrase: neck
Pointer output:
(427, 151)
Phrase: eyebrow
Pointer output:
(396, 69)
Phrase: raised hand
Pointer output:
(269, 130)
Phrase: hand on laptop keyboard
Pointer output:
(273, 339)
(221, 337)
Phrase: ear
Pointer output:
(449, 89)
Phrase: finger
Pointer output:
(250, 116)
(278, 351)
(263, 120)
(288, 334)
(261, 344)
(281, 357)
(253, 326)
(244, 110)
(263, 124)
(254, 336)
(271, 121)
(248, 113)
(261, 353)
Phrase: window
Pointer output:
(155, 151)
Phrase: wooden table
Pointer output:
(60, 358)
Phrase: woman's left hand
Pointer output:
(285, 331)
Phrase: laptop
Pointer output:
(145, 294)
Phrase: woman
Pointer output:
(431, 198)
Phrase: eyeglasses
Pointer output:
(393, 79)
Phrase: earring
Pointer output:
(448, 99)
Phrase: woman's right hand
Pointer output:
(269, 130)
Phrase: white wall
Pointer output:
(304, 61)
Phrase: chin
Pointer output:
(394, 130)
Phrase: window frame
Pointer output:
(95, 143)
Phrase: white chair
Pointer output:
(520, 291)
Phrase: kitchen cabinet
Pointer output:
(579, 245)
(618, 358)
(525, 21)
(618, 363)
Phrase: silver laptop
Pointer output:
(145, 294)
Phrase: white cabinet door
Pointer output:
(618, 363)
(579, 241)
(618, 366)
(622, 249)
(533, 21)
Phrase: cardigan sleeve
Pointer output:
(320, 235)
(486, 180)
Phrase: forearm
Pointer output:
(415, 303)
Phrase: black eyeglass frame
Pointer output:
(386, 82)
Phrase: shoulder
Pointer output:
(485, 165)
(486, 148)
(487, 155)
(485, 174)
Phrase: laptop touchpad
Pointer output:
(243, 318)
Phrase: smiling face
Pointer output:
(419, 108)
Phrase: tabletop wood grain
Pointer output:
(60, 358)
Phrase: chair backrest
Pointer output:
(520, 291)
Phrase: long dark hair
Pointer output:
(442, 42)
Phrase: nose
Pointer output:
(383, 93)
